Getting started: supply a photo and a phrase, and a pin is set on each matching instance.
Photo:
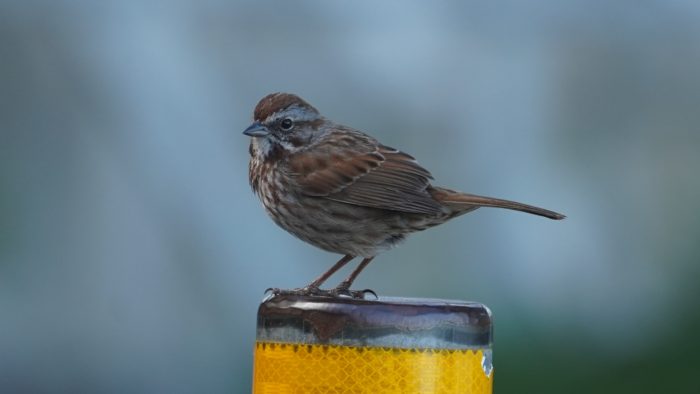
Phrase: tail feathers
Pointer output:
(457, 200)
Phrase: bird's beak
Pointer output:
(256, 130)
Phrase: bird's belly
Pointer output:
(340, 228)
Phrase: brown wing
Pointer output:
(355, 169)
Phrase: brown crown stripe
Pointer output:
(276, 102)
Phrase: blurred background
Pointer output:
(133, 254)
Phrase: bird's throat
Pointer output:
(267, 149)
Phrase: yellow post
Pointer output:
(326, 345)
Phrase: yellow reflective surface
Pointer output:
(324, 369)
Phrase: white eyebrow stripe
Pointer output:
(295, 112)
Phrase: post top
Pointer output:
(385, 322)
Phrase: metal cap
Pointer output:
(409, 323)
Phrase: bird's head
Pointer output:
(283, 121)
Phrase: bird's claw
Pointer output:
(369, 291)
(355, 294)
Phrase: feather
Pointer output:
(351, 167)
(457, 200)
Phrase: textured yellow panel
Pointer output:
(326, 369)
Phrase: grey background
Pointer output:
(133, 254)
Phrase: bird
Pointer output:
(343, 191)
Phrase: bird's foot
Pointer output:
(340, 291)
(343, 290)
(302, 291)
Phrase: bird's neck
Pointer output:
(265, 149)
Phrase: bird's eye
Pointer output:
(286, 124)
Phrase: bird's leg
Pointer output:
(344, 287)
(319, 281)
(313, 288)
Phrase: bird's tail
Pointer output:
(467, 202)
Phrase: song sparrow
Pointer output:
(343, 191)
